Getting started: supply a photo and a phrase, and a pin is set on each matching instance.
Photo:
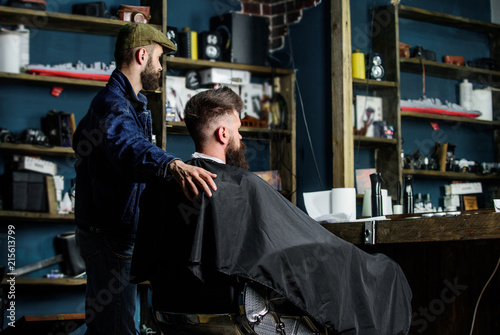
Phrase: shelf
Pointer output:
(448, 118)
(32, 79)
(450, 71)
(373, 142)
(35, 150)
(29, 281)
(451, 175)
(178, 63)
(447, 20)
(179, 128)
(37, 19)
(36, 216)
(362, 83)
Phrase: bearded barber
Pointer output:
(115, 159)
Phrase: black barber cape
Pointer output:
(247, 229)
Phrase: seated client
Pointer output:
(192, 252)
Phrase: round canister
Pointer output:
(10, 49)
(358, 65)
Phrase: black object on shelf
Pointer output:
(245, 39)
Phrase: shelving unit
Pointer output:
(282, 141)
(386, 41)
(386, 151)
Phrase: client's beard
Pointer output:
(150, 77)
(236, 156)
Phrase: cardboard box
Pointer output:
(37, 165)
(463, 188)
(225, 76)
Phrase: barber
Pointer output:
(115, 159)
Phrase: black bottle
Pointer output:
(408, 194)
(376, 180)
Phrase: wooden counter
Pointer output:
(447, 272)
(470, 225)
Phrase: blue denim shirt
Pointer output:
(115, 157)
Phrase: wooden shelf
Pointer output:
(472, 225)
(447, 20)
(29, 281)
(450, 71)
(59, 21)
(179, 128)
(451, 175)
(36, 216)
(448, 118)
(32, 79)
(35, 150)
(373, 142)
(178, 63)
(361, 83)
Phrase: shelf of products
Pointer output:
(36, 216)
(32, 79)
(11, 16)
(431, 174)
(282, 141)
(35, 150)
(451, 119)
(387, 43)
(387, 153)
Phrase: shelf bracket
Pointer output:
(370, 232)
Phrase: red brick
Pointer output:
(251, 8)
(277, 20)
(278, 31)
(267, 9)
(293, 17)
(302, 4)
(276, 43)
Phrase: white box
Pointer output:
(37, 165)
(224, 76)
(466, 188)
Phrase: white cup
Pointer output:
(397, 209)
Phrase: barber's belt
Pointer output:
(258, 318)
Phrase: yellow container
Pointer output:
(358, 65)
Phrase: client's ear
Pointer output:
(222, 135)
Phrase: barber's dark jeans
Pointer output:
(111, 298)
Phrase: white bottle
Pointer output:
(466, 94)
(24, 47)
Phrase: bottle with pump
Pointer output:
(376, 180)
(408, 195)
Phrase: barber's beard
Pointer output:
(150, 77)
(236, 156)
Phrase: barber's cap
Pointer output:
(133, 35)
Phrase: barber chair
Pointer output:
(246, 308)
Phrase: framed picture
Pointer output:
(368, 111)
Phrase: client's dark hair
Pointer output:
(207, 106)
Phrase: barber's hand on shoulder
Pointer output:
(190, 177)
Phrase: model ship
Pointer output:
(435, 106)
(94, 71)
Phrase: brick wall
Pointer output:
(281, 14)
